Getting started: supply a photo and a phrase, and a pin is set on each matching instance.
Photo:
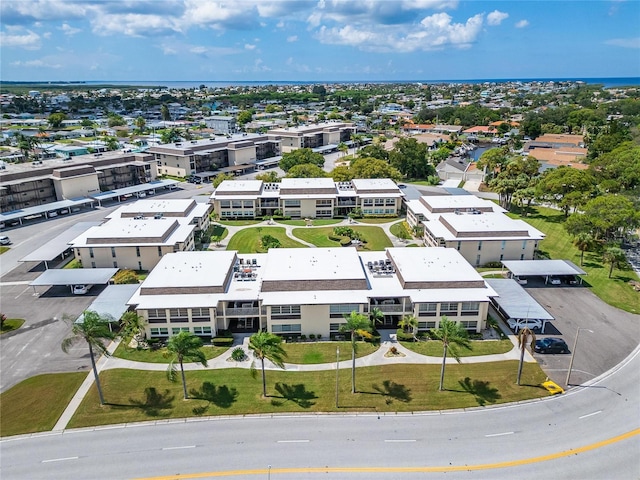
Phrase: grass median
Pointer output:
(478, 347)
(374, 238)
(35, 404)
(159, 355)
(248, 240)
(134, 395)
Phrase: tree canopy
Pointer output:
(299, 157)
(306, 170)
(411, 159)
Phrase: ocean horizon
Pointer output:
(607, 82)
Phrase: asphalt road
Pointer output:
(590, 433)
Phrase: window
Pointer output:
(426, 325)
(427, 309)
(177, 330)
(323, 203)
(285, 311)
(285, 328)
(139, 265)
(459, 245)
(248, 204)
(504, 243)
(449, 309)
(478, 260)
(225, 204)
(338, 311)
(159, 332)
(157, 313)
(501, 257)
(93, 264)
(522, 257)
(138, 252)
(292, 203)
(335, 327)
(200, 315)
(480, 245)
(91, 252)
(113, 252)
(390, 202)
(470, 309)
(115, 264)
(159, 251)
(368, 202)
(202, 330)
(469, 325)
(524, 244)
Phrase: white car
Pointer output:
(4, 240)
(520, 280)
(555, 281)
(516, 324)
(81, 289)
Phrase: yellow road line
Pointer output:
(447, 468)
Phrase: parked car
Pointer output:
(4, 240)
(551, 345)
(530, 323)
(520, 280)
(555, 281)
(81, 289)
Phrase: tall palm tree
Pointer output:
(524, 334)
(376, 316)
(93, 328)
(269, 346)
(615, 257)
(583, 242)
(357, 324)
(409, 324)
(452, 335)
(184, 346)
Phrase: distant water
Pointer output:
(606, 82)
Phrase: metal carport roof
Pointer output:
(42, 209)
(58, 245)
(514, 301)
(75, 276)
(542, 268)
(143, 187)
(112, 301)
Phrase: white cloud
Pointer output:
(69, 30)
(248, 46)
(522, 24)
(28, 40)
(35, 64)
(135, 25)
(496, 17)
(624, 42)
(280, 24)
(292, 38)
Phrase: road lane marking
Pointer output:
(179, 448)
(293, 441)
(499, 434)
(59, 459)
(445, 468)
(589, 414)
(400, 441)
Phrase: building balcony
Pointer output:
(390, 308)
(242, 312)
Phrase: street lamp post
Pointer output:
(573, 352)
(337, 372)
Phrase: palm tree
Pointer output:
(524, 334)
(583, 242)
(376, 316)
(409, 324)
(615, 257)
(132, 326)
(452, 335)
(343, 148)
(357, 323)
(269, 346)
(93, 328)
(184, 346)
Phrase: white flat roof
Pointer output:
(490, 226)
(307, 183)
(234, 186)
(133, 229)
(460, 202)
(191, 269)
(434, 264)
(155, 205)
(313, 264)
(374, 183)
(75, 276)
(542, 267)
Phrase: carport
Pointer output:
(58, 246)
(133, 190)
(74, 276)
(543, 268)
(513, 301)
(112, 302)
(44, 211)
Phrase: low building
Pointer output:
(313, 136)
(306, 198)
(477, 228)
(138, 235)
(294, 292)
(222, 124)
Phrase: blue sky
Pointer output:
(316, 40)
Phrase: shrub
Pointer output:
(319, 336)
(238, 354)
(393, 351)
(404, 336)
(222, 341)
(303, 338)
(312, 336)
(345, 242)
(225, 333)
(493, 265)
(125, 277)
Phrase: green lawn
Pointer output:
(616, 290)
(376, 221)
(324, 352)
(375, 237)
(3, 249)
(134, 395)
(239, 223)
(247, 240)
(400, 230)
(433, 348)
(75, 263)
(315, 222)
(11, 324)
(219, 231)
(35, 404)
(158, 356)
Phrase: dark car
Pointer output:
(551, 345)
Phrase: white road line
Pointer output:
(400, 441)
(293, 441)
(59, 459)
(499, 434)
(179, 448)
(590, 414)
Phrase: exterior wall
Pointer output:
(29, 193)
(74, 187)
(474, 323)
(235, 208)
(242, 156)
(125, 257)
(494, 250)
(314, 320)
(175, 319)
(380, 205)
(288, 144)
(177, 166)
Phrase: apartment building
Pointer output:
(477, 228)
(306, 198)
(308, 291)
(31, 184)
(313, 136)
(136, 236)
(182, 159)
